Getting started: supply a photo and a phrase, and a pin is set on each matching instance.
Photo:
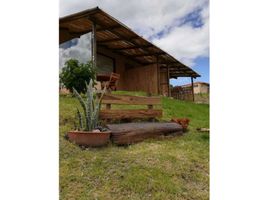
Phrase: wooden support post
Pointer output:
(158, 75)
(94, 46)
(192, 83)
(150, 106)
(108, 106)
(168, 81)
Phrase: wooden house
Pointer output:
(116, 48)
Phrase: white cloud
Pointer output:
(149, 17)
(146, 16)
(81, 51)
(187, 43)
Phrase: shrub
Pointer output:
(76, 75)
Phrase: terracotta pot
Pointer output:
(184, 122)
(88, 138)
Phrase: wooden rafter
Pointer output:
(108, 28)
(121, 53)
(109, 41)
(148, 54)
(133, 47)
(128, 40)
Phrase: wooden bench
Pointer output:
(149, 113)
(129, 133)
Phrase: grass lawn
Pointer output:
(174, 168)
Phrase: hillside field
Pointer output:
(170, 168)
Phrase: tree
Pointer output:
(75, 75)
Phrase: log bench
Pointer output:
(129, 133)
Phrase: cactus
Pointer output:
(80, 120)
(91, 107)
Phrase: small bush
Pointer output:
(76, 75)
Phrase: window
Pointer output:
(105, 64)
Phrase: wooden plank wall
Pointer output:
(137, 78)
(163, 83)
(143, 78)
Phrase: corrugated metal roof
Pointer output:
(117, 37)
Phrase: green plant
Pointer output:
(91, 108)
(75, 75)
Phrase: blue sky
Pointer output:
(201, 67)
(179, 27)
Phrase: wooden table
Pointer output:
(103, 77)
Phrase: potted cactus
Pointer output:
(89, 133)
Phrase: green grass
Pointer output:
(173, 168)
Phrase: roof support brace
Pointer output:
(94, 46)
(158, 75)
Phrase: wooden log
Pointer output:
(129, 133)
(130, 114)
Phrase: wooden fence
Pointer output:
(182, 93)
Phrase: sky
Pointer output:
(179, 27)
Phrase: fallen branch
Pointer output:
(203, 129)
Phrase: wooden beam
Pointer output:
(192, 85)
(148, 54)
(168, 80)
(78, 34)
(182, 75)
(133, 47)
(130, 100)
(130, 114)
(94, 46)
(164, 63)
(82, 14)
(122, 54)
(109, 40)
(107, 28)
(158, 75)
